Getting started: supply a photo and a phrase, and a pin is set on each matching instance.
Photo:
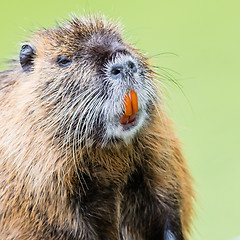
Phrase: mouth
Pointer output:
(128, 118)
(130, 121)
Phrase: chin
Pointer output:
(126, 132)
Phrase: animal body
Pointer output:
(86, 149)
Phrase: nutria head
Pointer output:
(82, 71)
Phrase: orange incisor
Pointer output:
(131, 107)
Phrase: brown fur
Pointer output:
(38, 179)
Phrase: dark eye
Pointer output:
(64, 61)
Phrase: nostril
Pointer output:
(116, 71)
(131, 66)
(119, 70)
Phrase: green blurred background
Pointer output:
(204, 36)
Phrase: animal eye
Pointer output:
(64, 61)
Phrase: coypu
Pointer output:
(86, 149)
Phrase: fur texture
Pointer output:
(67, 169)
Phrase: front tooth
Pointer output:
(128, 105)
(134, 101)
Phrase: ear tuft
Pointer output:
(27, 55)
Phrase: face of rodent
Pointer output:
(85, 73)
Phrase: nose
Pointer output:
(119, 70)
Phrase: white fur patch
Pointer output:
(117, 130)
(113, 106)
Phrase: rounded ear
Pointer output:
(27, 55)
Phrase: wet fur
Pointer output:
(57, 183)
